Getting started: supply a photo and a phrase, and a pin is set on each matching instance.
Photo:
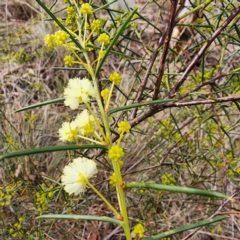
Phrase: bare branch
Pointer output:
(209, 82)
(151, 112)
(167, 40)
(198, 102)
(146, 76)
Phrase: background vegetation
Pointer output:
(192, 142)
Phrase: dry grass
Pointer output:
(188, 143)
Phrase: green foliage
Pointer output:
(178, 88)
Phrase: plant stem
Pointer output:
(104, 199)
(116, 167)
(203, 5)
(122, 200)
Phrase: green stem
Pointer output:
(90, 139)
(122, 200)
(98, 98)
(116, 167)
(203, 5)
(120, 138)
(104, 199)
(120, 192)
(97, 122)
(95, 134)
(109, 97)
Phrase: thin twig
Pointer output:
(151, 112)
(221, 145)
(167, 40)
(201, 52)
(149, 69)
(209, 82)
(198, 102)
(218, 212)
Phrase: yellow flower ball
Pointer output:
(105, 94)
(139, 230)
(113, 180)
(50, 40)
(115, 77)
(68, 60)
(124, 127)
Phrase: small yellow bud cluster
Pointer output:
(115, 78)
(61, 37)
(86, 9)
(50, 40)
(10, 141)
(43, 197)
(7, 193)
(16, 231)
(113, 180)
(101, 53)
(58, 39)
(56, 24)
(71, 16)
(96, 25)
(71, 46)
(104, 39)
(70, 10)
(115, 153)
(105, 94)
(68, 60)
(139, 230)
(124, 127)
(168, 179)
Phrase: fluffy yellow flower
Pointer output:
(68, 132)
(76, 174)
(78, 91)
(85, 123)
